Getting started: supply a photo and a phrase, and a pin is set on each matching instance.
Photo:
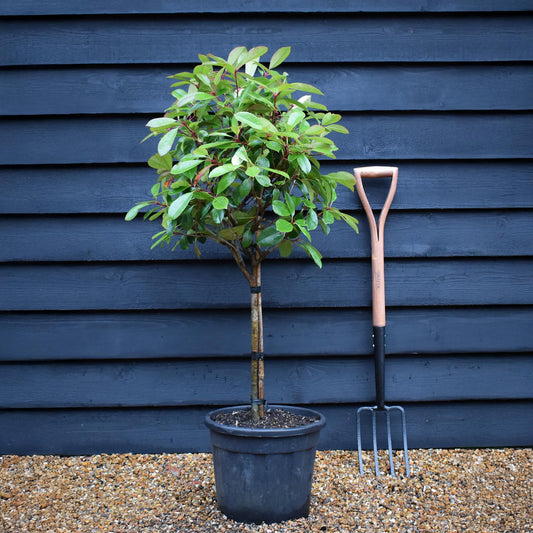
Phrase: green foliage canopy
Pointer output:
(237, 160)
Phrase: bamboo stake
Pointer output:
(257, 363)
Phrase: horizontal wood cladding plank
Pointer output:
(443, 425)
(288, 283)
(341, 38)
(288, 332)
(90, 431)
(112, 139)
(127, 7)
(145, 89)
(422, 185)
(408, 234)
(288, 381)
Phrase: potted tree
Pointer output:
(236, 163)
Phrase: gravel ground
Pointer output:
(449, 491)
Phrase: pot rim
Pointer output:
(317, 425)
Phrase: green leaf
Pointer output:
(338, 128)
(202, 195)
(270, 237)
(284, 225)
(280, 209)
(252, 171)
(316, 105)
(160, 162)
(328, 217)
(157, 214)
(217, 215)
(160, 122)
(250, 67)
(239, 156)
(204, 78)
(351, 221)
(225, 182)
(185, 100)
(132, 213)
(312, 220)
(221, 170)
(344, 178)
(305, 87)
(242, 191)
(315, 130)
(325, 228)
(292, 202)
(274, 145)
(228, 234)
(295, 116)
(203, 96)
(279, 56)
(304, 163)
(255, 122)
(176, 208)
(216, 144)
(247, 238)
(312, 252)
(330, 118)
(165, 237)
(301, 224)
(285, 248)
(183, 166)
(275, 171)
(220, 202)
(254, 53)
(263, 180)
(236, 55)
(165, 143)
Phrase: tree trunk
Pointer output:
(257, 367)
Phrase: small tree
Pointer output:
(236, 165)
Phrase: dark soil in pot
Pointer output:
(273, 419)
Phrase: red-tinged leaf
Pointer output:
(201, 174)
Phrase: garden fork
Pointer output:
(378, 318)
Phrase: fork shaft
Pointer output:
(379, 364)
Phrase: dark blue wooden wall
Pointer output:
(106, 346)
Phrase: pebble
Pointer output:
(480, 490)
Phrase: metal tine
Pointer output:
(389, 442)
(359, 445)
(375, 442)
(404, 435)
(373, 413)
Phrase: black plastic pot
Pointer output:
(264, 475)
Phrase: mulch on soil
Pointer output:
(486, 490)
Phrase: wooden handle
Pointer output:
(376, 235)
(376, 172)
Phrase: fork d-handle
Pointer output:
(378, 267)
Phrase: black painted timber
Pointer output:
(104, 7)
(347, 37)
(116, 139)
(426, 184)
(158, 430)
(289, 381)
(417, 87)
(106, 238)
(109, 347)
(49, 336)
